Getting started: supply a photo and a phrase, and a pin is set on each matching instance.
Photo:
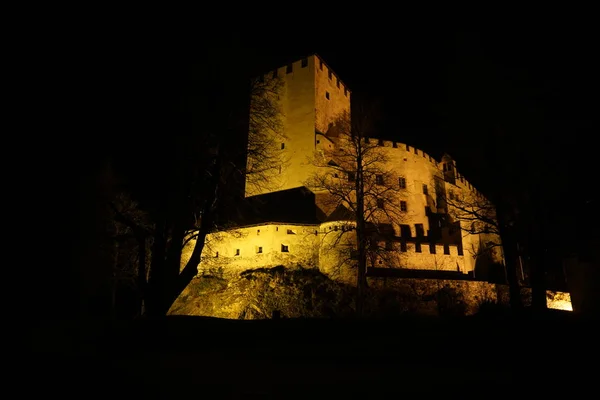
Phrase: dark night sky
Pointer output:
(443, 87)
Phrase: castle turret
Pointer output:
(449, 169)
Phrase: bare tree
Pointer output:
(193, 176)
(130, 232)
(265, 133)
(477, 216)
(354, 176)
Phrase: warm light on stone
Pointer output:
(312, 99)
(558, 300)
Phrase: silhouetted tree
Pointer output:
(477, 216)
(355, 175)
(191, 177)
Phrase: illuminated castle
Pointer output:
(295, 229)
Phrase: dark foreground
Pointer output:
(190, 357)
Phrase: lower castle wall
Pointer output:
(326, 246)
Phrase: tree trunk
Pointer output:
(509, 243)
(538, 285)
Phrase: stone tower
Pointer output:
(312, 97)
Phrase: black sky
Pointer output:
(443, 88)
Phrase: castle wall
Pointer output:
(312, 97)
(332, 96)
(424, 259)
(259, 246)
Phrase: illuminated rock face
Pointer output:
(312, 98)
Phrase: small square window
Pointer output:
(285, 248)
(402, 183)
(237, 252)
(304, 62)
(217, 254)
(282, 146)
(259, 250)
(403, 206)
(327, 95)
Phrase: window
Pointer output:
(380, 203)
(258, 250)
(285, 248)
(288, 69)
(327, 95)
(420, 230)
(425, 189)
(304, 62)
(291, 232)
(402, 183)
(318, 141)
(282, 146)
(351, 177)
(237, 252)
(405, 231)
(379, 179)
(321, 64)
(217, 254)
(403, 206)
(330, 74)
(257, 232)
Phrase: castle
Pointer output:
(297, 229)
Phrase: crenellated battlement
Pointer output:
(417, 154)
